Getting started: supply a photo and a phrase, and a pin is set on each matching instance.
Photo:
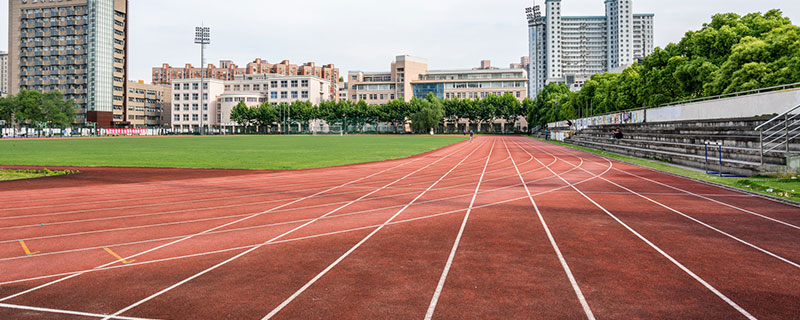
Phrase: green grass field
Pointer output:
(12, 174)
(228, 152)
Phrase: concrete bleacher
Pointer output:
(684, 143)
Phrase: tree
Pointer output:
(241, 114)
(263, 116)
(428, 116)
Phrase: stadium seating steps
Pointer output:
(684, 143)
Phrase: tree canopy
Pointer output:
(731, 53)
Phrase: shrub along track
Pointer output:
(503, 227)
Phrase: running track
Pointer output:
(497, 228)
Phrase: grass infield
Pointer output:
(218, 152)
(13, 174)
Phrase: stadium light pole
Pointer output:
(202, 36)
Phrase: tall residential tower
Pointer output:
(78, 47)
(570, 49)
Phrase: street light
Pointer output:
(202, 36)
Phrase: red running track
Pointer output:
(503, 227)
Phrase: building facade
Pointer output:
(77, 47)
(228, 71)
(220, 97)
(473, 83)
(3, 72)
(570, 49)
(146, 106)
(382, 87)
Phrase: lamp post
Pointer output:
(202, 36)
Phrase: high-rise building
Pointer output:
(3, 72)
(569, 49)
(78, 47)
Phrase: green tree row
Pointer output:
(33, 108)
(732, 53)
(424, 114)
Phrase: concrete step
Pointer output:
(695, 161)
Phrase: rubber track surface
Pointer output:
(450, 234)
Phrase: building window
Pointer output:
(186, 107)
(304, 95)
(284, 94)
(195, 86)
(195, 96)
(177, 97)
(195, 106)
(185, 96)
(177, 117)
(185, 117)
(177, 107)
(185, 86)
(284, 84)
(304, 83)
(177, 86)
(273, 95)
(294, 83)
(195, 117)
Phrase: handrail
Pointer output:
(777, 117)
(734, 94)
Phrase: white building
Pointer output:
(219, 97)
(569, 49)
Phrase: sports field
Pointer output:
(500, 228)
(228, 152)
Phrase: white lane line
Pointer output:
(446, 270)
(315, 236)
(655, 247)
(59, 311)
(15, 239)
(698, 221)
(180, 185)
(165, 290)
(209, 230)
(575, 287)
(357, 245)
(713, 200)
(106, 209)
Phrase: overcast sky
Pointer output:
(367, 34)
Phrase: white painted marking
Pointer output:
(664, 254)
(575, 287)
(357, 245)
(207, 231)
(446, 270)
(59, 311)
(269, 241)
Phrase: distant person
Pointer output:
(546, 133)
(617, 134)
(471, 135)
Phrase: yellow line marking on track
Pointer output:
(118, 257)
(25, 247)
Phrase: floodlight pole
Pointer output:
(202, 36)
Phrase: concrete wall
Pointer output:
(736, 107)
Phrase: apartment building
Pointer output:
(220, 97)
(3, 72)
(228, 71)
(472, 83)
(147, 104)
(570, 49)
(382, 87)
(77, 47)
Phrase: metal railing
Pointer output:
(779, 132)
